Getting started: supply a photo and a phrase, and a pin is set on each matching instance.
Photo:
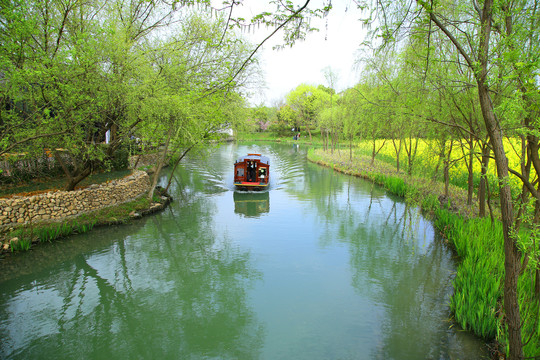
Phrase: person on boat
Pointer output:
(253, 171)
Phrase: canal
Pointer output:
(320, 266)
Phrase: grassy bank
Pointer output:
(478, 283)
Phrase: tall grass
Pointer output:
(477, 302)
(478, 282)
(21, 244)
(48, 232)
(60, 230)
(394, 184)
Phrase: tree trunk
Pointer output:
(373, 153)
(446, 179)
(350, 148)
(446, 163)
(81, 175)
(537, 272)
(328, 145)
(160, 165)
(176, 165)
(397, 150)
(470, 178)
(511, 253)
(309, 132)
(483, 181)
(78, 174)
(411, 154)
(525, 193)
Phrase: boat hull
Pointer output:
(247, 185)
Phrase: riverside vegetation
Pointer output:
(478, 284)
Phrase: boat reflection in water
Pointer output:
(251, 204)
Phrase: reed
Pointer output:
(477, 302)
(478, 291)
(22, 244)
(396, 185)
(48, 232)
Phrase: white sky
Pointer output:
(334, 46)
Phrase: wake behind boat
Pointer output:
(252, 172)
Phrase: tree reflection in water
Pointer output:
(176, 295)
(398, 262)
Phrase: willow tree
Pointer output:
(187, 93)
(307, 101)
(69, 68)
(51, 69)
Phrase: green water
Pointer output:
(320, 266)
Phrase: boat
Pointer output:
(252, 172)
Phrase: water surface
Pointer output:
(320, 266)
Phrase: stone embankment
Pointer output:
(60, 205)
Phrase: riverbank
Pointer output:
(29, 219)
(22, 238)
(477, 302)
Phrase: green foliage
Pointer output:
(73, 73)
(430, 203)
(23, 168)
(120, 158)
(287, 119)
(261, 117)
(396, 185)
(307, 101)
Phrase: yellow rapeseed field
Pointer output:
(427, 158)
